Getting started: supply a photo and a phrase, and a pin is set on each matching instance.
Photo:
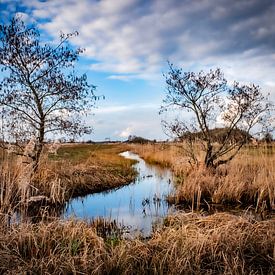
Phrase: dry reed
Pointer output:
(59, 178)
(188, 244)
(249, 179)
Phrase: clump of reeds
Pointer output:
(188, 244)
(249, 179)
(216, 244)
(191, 244)
(56, 248)
(240, 182)
(15, 182)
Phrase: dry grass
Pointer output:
(188, 244)
(76, 170)
(81, 169)
(248, 180)
(56, 248)
(14, 185)
(216, 244)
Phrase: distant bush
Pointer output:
(90, 141)
(141, 140)
(268, 138)
(219, 135)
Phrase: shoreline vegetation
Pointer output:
(77, 169)
(247, 181)
(188, 243)
(89, 168)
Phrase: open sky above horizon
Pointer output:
(128, 43)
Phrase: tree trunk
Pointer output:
(208, 160)
(40, 145)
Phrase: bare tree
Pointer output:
(40, 93)
(211, 101)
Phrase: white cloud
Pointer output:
(111, 109)
(123, 108)
(25, 17)
(133, 39)
(122, 77)
(126, 132)
(118, 122)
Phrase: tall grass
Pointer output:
(188, 244)
(249, 179)
(15, 187)
(81, 169)
(76, 170)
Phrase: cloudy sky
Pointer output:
(128, 43)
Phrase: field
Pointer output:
(247, 181)
(198, 240)
(75, 171)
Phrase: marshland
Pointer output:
(81, 193)
(220, 223)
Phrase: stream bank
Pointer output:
(139, 206)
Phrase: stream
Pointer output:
(138, 206)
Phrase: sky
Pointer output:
(128, 44)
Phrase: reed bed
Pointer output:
(76, 170)
(249, 179)
(81, 169)
(187, 244)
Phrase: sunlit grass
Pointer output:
(77, 169)
(187, 244)
(249, 179)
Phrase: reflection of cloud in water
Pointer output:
(137, 205)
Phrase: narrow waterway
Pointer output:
(138, 206)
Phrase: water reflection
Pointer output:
(137, 206)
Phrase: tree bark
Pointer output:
(208, 160)
(40, 145)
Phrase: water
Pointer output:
(137, 206)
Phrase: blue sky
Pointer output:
(128, 43)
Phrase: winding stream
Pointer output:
(138, 206)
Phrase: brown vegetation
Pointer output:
(249, 179)
(82, 169)
(188, 244)
(76, 170)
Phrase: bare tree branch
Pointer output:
(38, 84)
(208, 97)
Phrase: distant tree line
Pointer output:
(141, 140)
(218, 135)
